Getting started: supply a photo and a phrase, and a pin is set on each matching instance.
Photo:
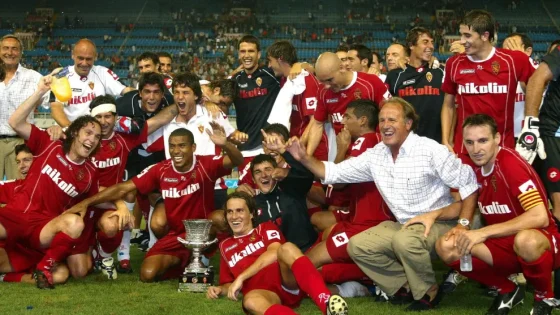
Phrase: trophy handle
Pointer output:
(210, 242)
(182, 241)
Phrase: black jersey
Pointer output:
(257, 93)
(421, 87)
(130, 105)
(550, 111)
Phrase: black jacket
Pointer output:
(286, 206)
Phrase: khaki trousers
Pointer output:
(392, 256)
(8, 164)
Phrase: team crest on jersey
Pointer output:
(91, 84)
(252, 238)
(193, 175)
(496, 67)
(357, 95)
(201, 128)
(429, 76)
(258, 81)
(112, 145)
(493, 182)
(80, 175)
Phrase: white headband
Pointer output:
(103, 108)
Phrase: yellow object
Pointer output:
(61, 89)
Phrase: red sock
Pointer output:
(539, 274)
(342, 272)
(109, 244)
(278, 309)
(13, 276)
(144, 205)
(486, 274)
(61, 247)
(311, 282)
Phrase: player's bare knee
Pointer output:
(288, 253)
(109, 226)
(446, 251)
(148, 273)
(73, 225)
(60, 274)
(78, 271)
(530, 244)
(254, 303)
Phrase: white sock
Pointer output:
(153, 238)
(352, 289)
(124, 248)
(101, 252)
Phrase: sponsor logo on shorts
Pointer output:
(340, 239)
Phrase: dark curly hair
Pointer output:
(73, 130)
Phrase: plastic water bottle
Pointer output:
(466, 263)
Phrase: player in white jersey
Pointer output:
(86, 81)
(521, 42)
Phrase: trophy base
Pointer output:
(197, 282)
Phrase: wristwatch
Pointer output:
(464, 222)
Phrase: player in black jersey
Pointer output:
(419, 84)
(258, 88)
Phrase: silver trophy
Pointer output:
(196, 277)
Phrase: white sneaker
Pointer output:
(336, 305)
(108, 268)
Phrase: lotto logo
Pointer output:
(273, 235)
(553, 174)
(311, 102)
(340, 239)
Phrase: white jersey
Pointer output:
(100, 81)
(197, 125)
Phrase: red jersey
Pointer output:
(366, 204)
(239, 253)
(487, 87)
(111, 158)
(53, 183)
(333, 105)
(8, 188)
(188, 195)
(510, 189)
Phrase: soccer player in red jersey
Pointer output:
(520, 234)
(60, 177)
(340, 88)
(483, 79)
(271, 274)
(24, 159)
(186, 182)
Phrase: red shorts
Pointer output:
(342, 215)
(22, 258)
(87, 239)
(338, 239)
(505, 259)
(270, 278)
(169, 245)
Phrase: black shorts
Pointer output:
(138, 161)
(549, 168)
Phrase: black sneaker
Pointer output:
(144, 246)
(424, 304)
(43, 279)
(503, 303)
(401, 297)
(451, 280)
(543, 307)
(142, 236)
(336, 305)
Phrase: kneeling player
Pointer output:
(186, 182)
(269, 273)
(520, 234)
